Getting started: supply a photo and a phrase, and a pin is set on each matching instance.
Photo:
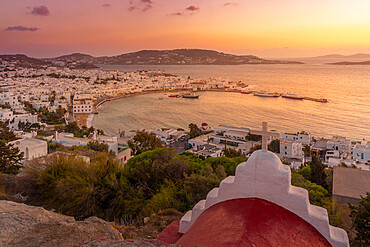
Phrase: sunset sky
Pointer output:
(267, 28)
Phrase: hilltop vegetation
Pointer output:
(152, 181)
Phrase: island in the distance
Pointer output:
(351, 63)
(153, 57)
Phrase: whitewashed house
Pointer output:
(31, 148)
(302, 137)
(124, 153)
(82, 104)
(168, 136)
(330, 154)
(339, 143)
(223, 128)
(25, 118)
(208, 150)
(361, 153)
(8, 98)
(291, 149)
(6, 114)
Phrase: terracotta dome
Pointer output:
(246, 222)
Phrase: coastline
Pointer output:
(186, 90)
(170, 113)
(91, 116)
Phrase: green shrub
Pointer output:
(316, 192)
(74, 187)
(197, 186)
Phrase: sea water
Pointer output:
(346, 87)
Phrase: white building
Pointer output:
(6, 114)
(208, 150)
(199, 141)
(8, 98)
(339, 143)
(25, 118)
(82, 104)
(223, 128)
(124, 153)
(168, 136)
(67, 139)
(302, 137)
(236, 135)
(361, 153)
(291, 149)
(31, 148)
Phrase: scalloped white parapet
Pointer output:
(264, 176)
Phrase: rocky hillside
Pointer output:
(22, 225)
(24, 61)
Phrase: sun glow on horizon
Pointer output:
(284, 28)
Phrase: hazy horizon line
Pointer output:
(133, 51)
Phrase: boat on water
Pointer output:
(175, 95)
(292, 96)
(265, 94)
(245, 92)
(322, 100)
(191, 96)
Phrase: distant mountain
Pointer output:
(185, 57)
(335, 58)
(351, 63)
(338, 56)
(75, 57)
(151, 57)
(171, 57)
(24, 61)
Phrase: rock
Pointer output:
(23, 225)
(128, 243)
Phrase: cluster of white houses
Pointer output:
(78, 91)
(334, 151)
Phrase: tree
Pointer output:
(316, 192)
(194, 130)
(72, 128)
(306, 150)
(274, 146)
(305, 172)
(97, 146)
(361, 221)
(197, 186)
(60, 112)
(151, 169)
(5, 133)
(229, 164)
(10, 158)
(24, 126)
(144, 141)
(255, 138)
(318, 175)
(232, 153)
